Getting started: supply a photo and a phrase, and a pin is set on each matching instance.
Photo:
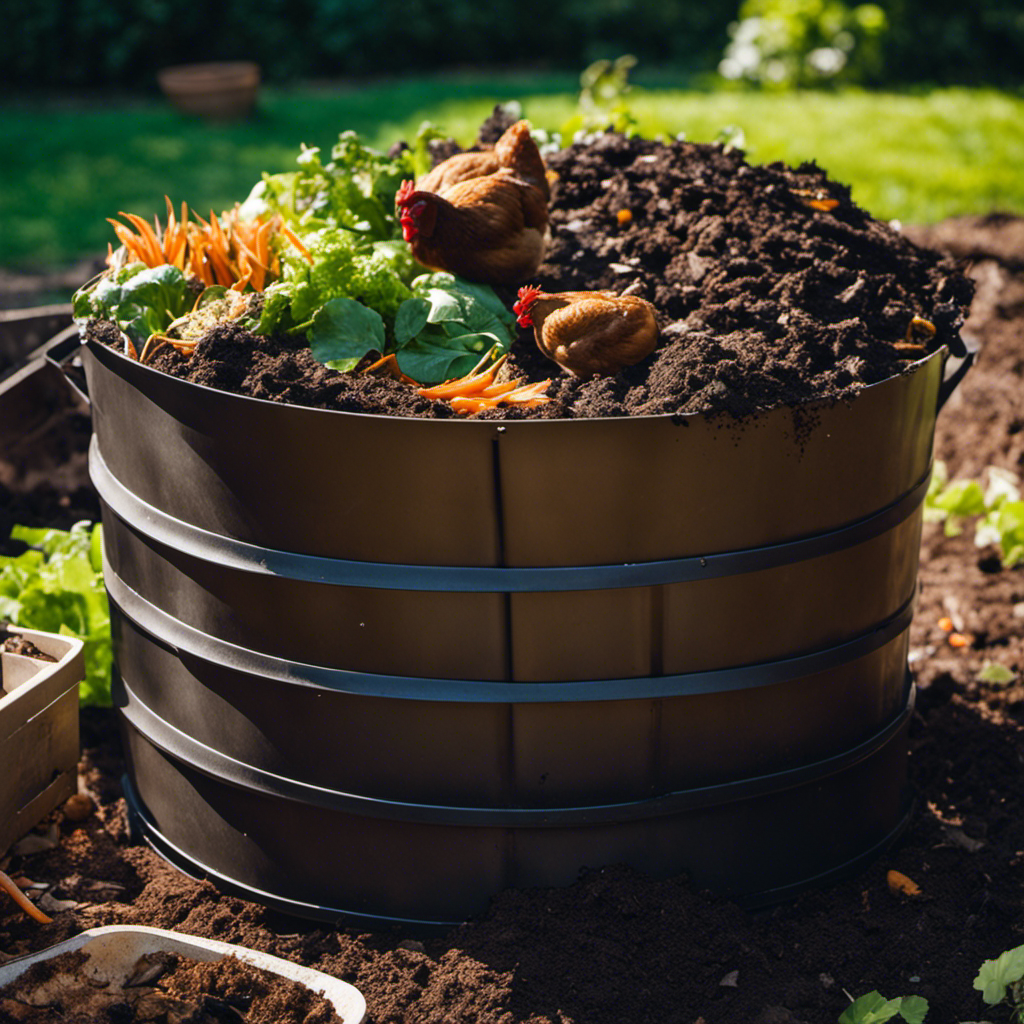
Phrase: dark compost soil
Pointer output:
(762, 297)
(21, 645)
(162, 988)
(618, 948)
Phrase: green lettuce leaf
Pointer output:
(57, 586)
(343, 332)
(431, 358)
(447, 326)
(996, 975)
(140, 300)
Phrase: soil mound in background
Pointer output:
(771, 286)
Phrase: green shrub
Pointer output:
(800, 43)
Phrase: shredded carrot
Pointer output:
(23, 902)
(958, 640)
(228, 251)
(624, 217)
(900, 884)
(921, 328)
(528, 396)
(463, 387)
(946, 624)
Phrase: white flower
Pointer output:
(826, 60)
(1002, 486)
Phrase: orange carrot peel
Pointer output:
(528, 396)
(228, 250)
(462, 387)
(477, 390)
(23, 902)
(388, 367)
(816, 200)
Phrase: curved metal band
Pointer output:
(181, 637)
(183, 748)
(225, 551)
(288, 905)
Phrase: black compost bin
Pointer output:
(386, 667)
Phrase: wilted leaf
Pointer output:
(960, 838)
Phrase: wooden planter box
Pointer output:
(39, 744)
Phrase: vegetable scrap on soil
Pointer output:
(162, 988)
(617, 946)
(23, 646)
(770, 287)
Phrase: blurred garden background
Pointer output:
(918, 104)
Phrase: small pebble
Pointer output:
(78, 807)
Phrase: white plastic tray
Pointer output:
(113, 952)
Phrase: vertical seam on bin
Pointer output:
(657, 641)
(657, 668)
(499, 511)
(508, 765)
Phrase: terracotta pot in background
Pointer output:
(219, 91)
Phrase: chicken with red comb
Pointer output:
(483, 216)
(589, 334)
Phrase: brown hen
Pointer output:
(515, 152)
(489, 227)
(589, 334)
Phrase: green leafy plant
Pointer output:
(438, 333)
(140, 300)
(873, 1008)
(602, 101)
(57, 586)
(354, 190)
(787, 44)
(998, 509)
(358, 292)
(1002, 979)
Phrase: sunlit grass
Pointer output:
(67, 167)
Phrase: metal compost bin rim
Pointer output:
(183, 748)
(207, 546)
(182, 638)
(110, 357)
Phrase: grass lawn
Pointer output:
(69, 165)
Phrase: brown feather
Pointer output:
(514, 152)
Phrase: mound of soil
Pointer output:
(771, 287)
